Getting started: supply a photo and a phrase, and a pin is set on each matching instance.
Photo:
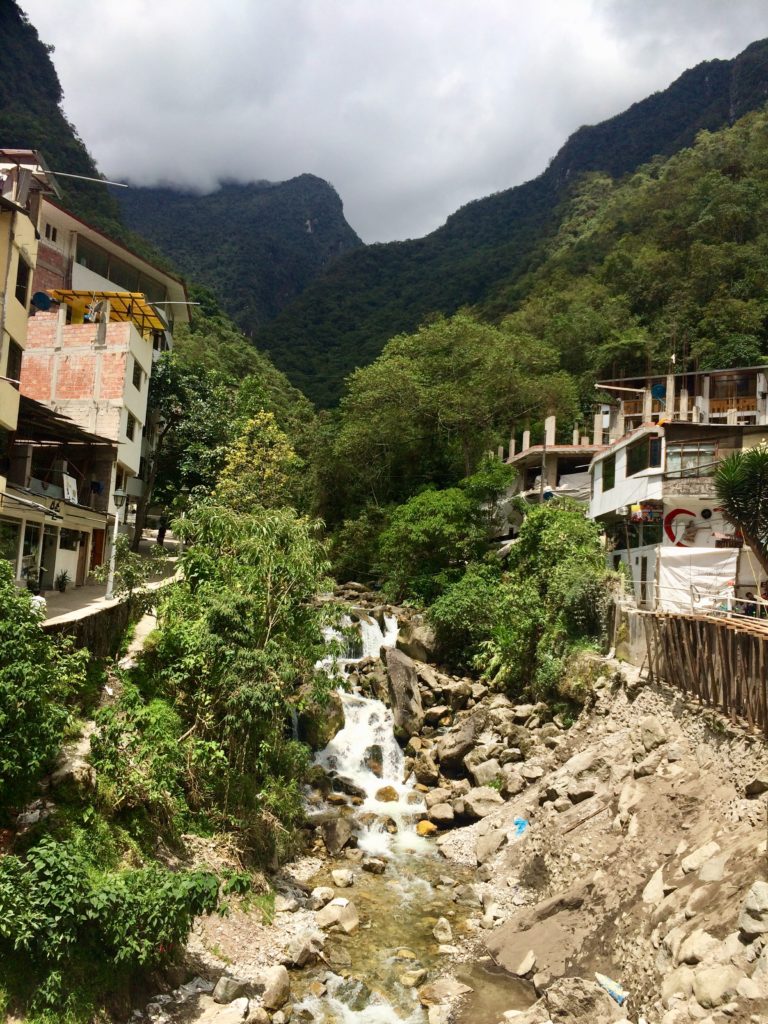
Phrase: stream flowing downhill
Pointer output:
(401, 906)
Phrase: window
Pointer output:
(69, 540)
(609, 473)
(643, 454)
(130, 426)
(15, 353)
(691, 458)
(22, 281)
(138, 375)
(9, 540)
(51, 232)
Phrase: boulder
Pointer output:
(387, 795)
(486, 772)
(453, 746)
(339, 913)
(677, 985)
(489, 844)
(481, 801)
(342, 878)
(417, 640)
(319, 896)
(404, 695)
(442, 815)
(277, 987)
(699, 945)
(753, 920)
(304, 949)
(575, 1001)
(512, 781)
(525, 964)
(228, 989)
(442, 930)
(652, 733)
(410, 979)
(318, 724)
(426, 828)
(758, 785)
(336, 835)
(374, 866)
(437, 796)
(433, 715)
(457, 693)
(699, 857)
(444, 990)
(532, 772)
(286, 904)
(713, 986)
(425, 769)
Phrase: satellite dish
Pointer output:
(659, 392)
(42, 301)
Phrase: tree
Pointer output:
(261, 468)
(741, 482)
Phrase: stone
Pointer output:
(653, 893)
(458, 693)
(512, 781)
(481, 801)
(304, 949)
(410, 979)
(489, 844)
(404, 694)
(753, 920)
(387, 795)
(581, 789)
(354, 993)
(649, 765)
(486, 772)
(259, 1016)
(374, 866)
(699, 945)
(277, 987)
(532, 772)
(577, 1001)
(442, 815)
(442, 930)
(440, 795)
(228, 989)
(525, 965)
(713, 986)
(454, 745)
(286, 904)
(695, 860)
(758, 785)
(417, 640)
(343, 878)
(425, 769)
(426, 828)
(444, 990)
(652, 733)
(433, 715)
(522, 712)
(714, 869)
(678, 984)
(336, 834)
(321, 895)
(340, 913)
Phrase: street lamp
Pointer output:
(119, 499)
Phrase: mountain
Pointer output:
(256, 246)
(344, 318)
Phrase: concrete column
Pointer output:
(585, 442)
(512, 447)
(683, 403)
(620, 428)
(575, 437)
(501, 452)
(612, 434)
(696, 414)
(550, 429)
(597, 428)
(703, 402)
(762, 402)
(526, 441)
(669, 404)
(647, 405)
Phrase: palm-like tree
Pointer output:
(741, 481)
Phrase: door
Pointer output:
(97, 548)
(48, 561)
(644, 581)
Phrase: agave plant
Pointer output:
(741, 481)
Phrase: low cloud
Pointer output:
(409, 109)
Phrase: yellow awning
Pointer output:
(123, 306)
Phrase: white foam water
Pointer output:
(330, 1008)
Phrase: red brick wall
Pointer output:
(77, 376)
(76, 361)
(52, 270)
(37, 376)
(41, 330)
(112, 374)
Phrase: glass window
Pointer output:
(92, 257)
(643, 454)
(609, 473)
(30, 549)
(138, 375)
(9, 540)
(22, 281)
(69, 540)
(692, 458)
(130, 427)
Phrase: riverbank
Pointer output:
(630, 845)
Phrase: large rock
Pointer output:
(319, 723)
(304, 949)
(277, 987)
(699, 945)
(441, 814)
(481, 801)
(489, 844)
(336, 835)
(404, 694)
(753, 920)
(577, 1001)
(425, 769)
(453, 746)
(486, 772)
(417, 640)
(652, 733)
(678, 984)
(228, 989)
(512, 781)
(699, 857)
(713, 986)
(339, 913)
(442, 930)
(444, 990)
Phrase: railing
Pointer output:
(720, 405)
(718, 662)
(635, 407)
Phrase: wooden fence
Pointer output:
(718, 661)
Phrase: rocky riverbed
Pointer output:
(526, 856)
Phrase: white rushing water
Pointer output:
(331, 1007)
(371, 639)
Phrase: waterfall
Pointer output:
(368, 644)
(366, 753)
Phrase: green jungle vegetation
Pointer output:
(343, 320)
(256, 246)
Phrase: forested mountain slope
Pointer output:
(344, 318)
(256, 246)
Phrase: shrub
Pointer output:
(464, 615)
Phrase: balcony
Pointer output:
(721, 406)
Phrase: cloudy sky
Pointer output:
(409, 107)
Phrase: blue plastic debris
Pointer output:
(614, 990)
(521, 824)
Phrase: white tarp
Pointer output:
(696, 579)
